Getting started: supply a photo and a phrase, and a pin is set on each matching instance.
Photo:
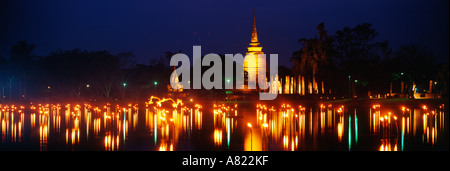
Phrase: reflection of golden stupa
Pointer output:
(253, 64)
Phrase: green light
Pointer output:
(356, 81)
(401, 73)
(156, 83)
(124, 84)
(228, 132)
(403, 137)
(356, 128)
(155, 132)
(349, 132)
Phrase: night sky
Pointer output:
(149, 28)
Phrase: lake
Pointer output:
(175, 125)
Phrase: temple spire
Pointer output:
(254, 47)
(254, 40)
(254, 63)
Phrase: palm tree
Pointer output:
(313, 54)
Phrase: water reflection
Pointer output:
(282, 123)
(164, 124)
(391, 125)
(297, 126)
(12, 123)
(168, 121)
(396, 125)
(225, 122)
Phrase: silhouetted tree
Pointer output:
(414, 63)
(359, 55)
(3, 78)
(314, 52)
(19, 65)
(127, 63)
(313, 59)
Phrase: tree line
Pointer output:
(350, 61)
(78, 75)
(353, 62)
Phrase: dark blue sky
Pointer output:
(149, 28)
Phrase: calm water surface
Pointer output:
(212, 126)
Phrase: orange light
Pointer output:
(249, 125)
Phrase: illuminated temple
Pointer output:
(253, 64)
(287, 85)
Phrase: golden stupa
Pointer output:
(253, 64)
